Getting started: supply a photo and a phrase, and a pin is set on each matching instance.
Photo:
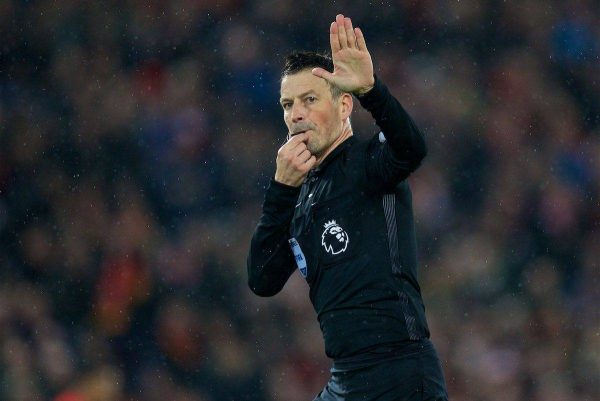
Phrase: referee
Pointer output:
(339, 210)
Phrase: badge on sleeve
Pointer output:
(299, 256)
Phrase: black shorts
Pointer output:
(416, 376)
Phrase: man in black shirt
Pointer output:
(339, 209)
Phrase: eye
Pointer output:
(311, 99)
(286, 105)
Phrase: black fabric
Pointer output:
(415, 376)
(352, 236)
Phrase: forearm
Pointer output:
(402, 135)
(270, 260)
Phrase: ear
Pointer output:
(346, 104)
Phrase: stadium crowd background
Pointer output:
(136, 140)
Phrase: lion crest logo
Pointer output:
(334, 239)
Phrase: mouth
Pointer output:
(300, 132)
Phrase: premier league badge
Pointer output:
(334, 239)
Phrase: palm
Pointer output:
(353, 68)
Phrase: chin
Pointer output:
(317, 152)
(312, 148)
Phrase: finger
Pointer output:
(304, 156)
(360, 39)
(293, 147)
(310, 163)
(321, 73)
(334, 39)
(339, 19)
(295, 139)
(298, 149)
(350, 33)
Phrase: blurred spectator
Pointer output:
(136, 139)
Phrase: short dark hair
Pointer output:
(303, 60)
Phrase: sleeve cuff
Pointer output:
(281, 195)
(374, 95)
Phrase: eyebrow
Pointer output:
(301, 95)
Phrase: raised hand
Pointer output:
(352, 64)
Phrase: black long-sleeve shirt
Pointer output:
(349, 230)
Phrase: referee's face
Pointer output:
(308, 106)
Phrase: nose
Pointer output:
(298, 113)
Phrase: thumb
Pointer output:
(320, 72)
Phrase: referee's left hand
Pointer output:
(352, 64)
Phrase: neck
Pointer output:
(345, 134)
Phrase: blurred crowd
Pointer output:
(136, 142)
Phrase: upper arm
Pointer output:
(270, 260)
(270, 263)
(386, 167)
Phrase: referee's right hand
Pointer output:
(294, 161)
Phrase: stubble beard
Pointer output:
(317, 145)
(313, 146)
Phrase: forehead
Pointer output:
(301, 82)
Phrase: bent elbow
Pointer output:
(419, 153)
(424, 151)
(262, 289)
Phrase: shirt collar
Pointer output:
(334, 153)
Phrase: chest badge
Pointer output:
(334, 238)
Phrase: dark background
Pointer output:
(136, 140)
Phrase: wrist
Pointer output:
(365, 89)
(280, 197)
(286, 182)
